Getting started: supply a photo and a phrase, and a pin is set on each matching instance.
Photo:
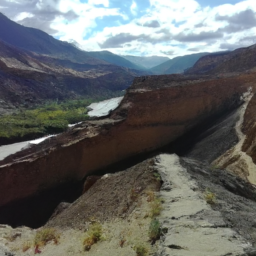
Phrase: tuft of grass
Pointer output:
(26, 246)
(140, 249)
(45, 235)
(157, 176)
(210, 197)
(154, 230)
(155, 207)
(94, 235)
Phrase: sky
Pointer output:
(141, 27)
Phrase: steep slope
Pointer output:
(146, 62)
(177, 65)
(35, 40)
(238, 60)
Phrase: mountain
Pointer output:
(177, 65)
(35, 40)
(146, 62)
(28, 78)
(35, 67)
(115, 59)
(239, 60)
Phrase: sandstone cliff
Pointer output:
(155, 111)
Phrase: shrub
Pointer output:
(46, 235)
(156, 207)
(94, 235)
(210, 197)
(154, 230)
(157, 176)
(141, 250)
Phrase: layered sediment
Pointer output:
(155, 111)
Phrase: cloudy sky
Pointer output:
(141, 27)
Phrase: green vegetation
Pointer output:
(46, 235)
(210, 197)
(141, 250)
(93, 235)
(155, 207)
(154, 230)
(52, 117)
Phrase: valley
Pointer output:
(125, 155)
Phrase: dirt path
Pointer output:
(182, 202)
(235, 160)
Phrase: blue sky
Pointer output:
(141, 27)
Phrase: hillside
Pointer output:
(177, 65)
(27, 78)
(239, 60)
(35, 40)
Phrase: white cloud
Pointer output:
(133, 8)
(98, 2)
(174, 27)
(23, 15)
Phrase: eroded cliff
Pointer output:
(155, 111)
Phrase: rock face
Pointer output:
(155, 111)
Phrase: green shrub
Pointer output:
(141, 250)
(210, 197)
(154, 230)
(155, 207)
(94, 235)
(45, 235)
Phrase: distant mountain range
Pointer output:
(146, 62)
(178, 64)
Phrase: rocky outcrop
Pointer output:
(155, 111)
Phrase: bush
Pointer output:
(94, 235)
(156, 207)
(141, 250)
(210, 197)
(46, 235)
(154, 230)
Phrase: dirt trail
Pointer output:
(187, 236)
(235, 160)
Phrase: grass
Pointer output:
(155, 207)
(154, 230)
(93, 235)
(26, 246)
(210, 197)
(141, 250)
(45, 235)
